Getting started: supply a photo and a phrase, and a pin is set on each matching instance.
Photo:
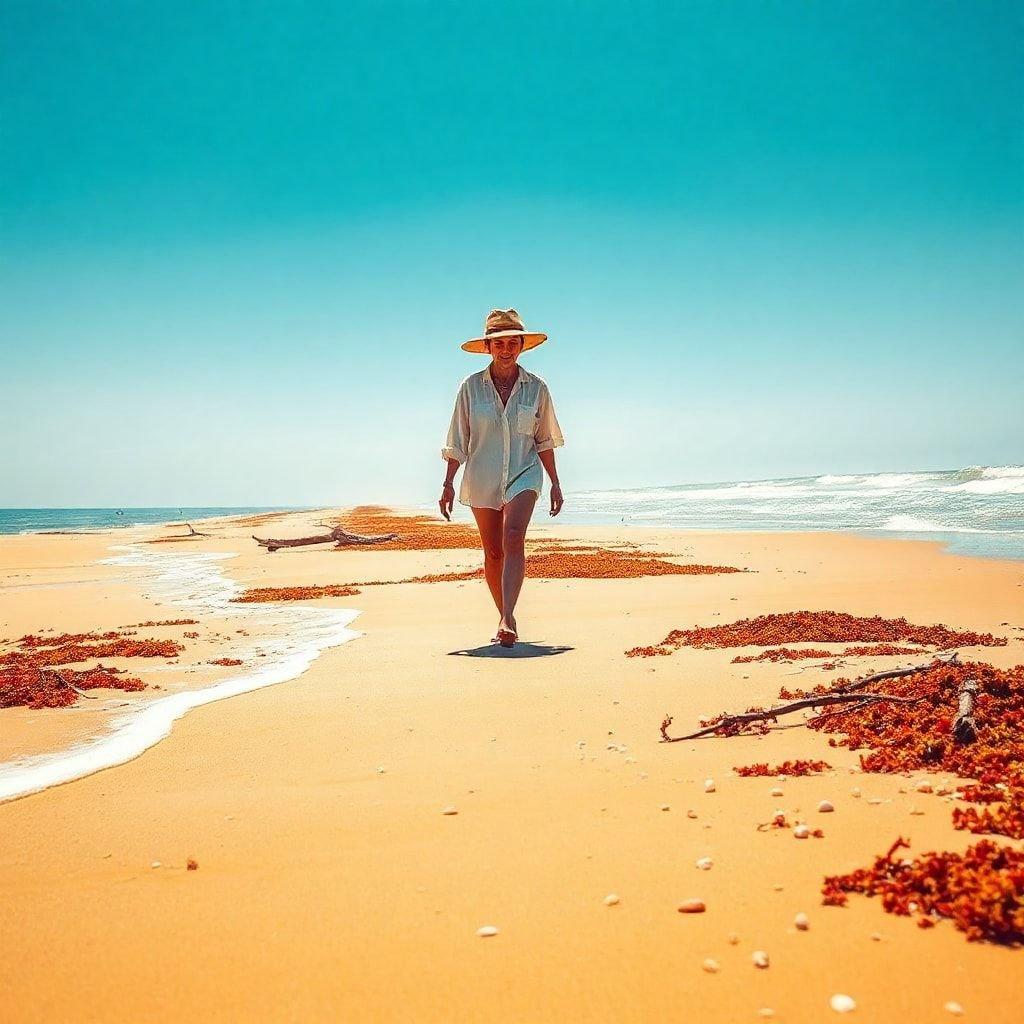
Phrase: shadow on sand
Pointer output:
(521, 650)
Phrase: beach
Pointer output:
(329, 883)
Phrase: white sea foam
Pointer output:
(912, 524)
(299, 634)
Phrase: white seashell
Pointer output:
(766, 1013)
(825, 807)
(875, 801)
(711, 966)
(450, 810)
(760, 958)
(487, 931)
(923, 787)
(381, 771)
(704, 863)
(709, 785)
(692, 906)
(842, 1004)
(855, 792)
(801, 832)
(155, 864)
(954, 1008)
(612, 899)
(801, 922)
(777, 792)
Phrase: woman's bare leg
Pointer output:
(517, 515)
(489, 523)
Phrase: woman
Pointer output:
(503, 429)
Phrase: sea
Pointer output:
(64, 520)
(976, 510)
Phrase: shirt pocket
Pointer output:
(526, 420)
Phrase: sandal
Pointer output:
(506, 637)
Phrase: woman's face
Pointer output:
(505, 351)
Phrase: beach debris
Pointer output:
(156, 864)
(981, 890)
(711, 966)
(842, 1003)
(449, 810)
(801, 922)
(777, 791)
(692, 906)
(191, 864)
(666, 807)
(733, 939)
(819, 627)
(855, 792)
(954, 1008)
(801, 831)
(705, 863)
(265, 595)
(766, 1013)
(825, 807)
(612, 899)
(760, 959)
(339, 536)
(784, 770)
(691, 813)
(709, 785)
(916, 811)
(923, 787)
(487, 931)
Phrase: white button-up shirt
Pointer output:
(497, 444)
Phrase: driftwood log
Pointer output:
(338, 536)
(845, 694)
(965, 728)
(71, 686)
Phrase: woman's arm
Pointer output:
(454, 451)
(547, 459)
(447, 501)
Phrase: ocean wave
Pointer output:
(912, 524)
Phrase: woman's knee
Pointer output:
(514, 539)
(494, 552)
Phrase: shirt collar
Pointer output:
(523, 374)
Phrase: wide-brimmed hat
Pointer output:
(504, 323)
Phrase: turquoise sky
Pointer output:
(240, 243)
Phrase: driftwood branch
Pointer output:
(772, 714)
(71, 686)
(193, 532)
(338, 536)
(848, 693)
(965, 728)
(896, 673)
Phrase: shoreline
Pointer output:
(331, 884)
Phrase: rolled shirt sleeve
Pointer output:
(457, 443)
(548, 434)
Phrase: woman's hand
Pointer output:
(556, 499)
(447, 502)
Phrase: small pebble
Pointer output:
(691, 814)
(733, 939)
(923, 787)
(612, 899)
(777, 792)
(801, 922)
(711, 966)
(760, 958)
(825, 807)
(778, 888)
(876, 937)
(782, 778)
(916, 810)
(801, 832)
(381, 771)
(766, 1013)
(665, 807)
(487, 931)
(709, 785)
(192, 864)
(692, 907)
(842, 1004)
(155, 864)
(450, 810)
(875, 801)
(704, 863)
(954, 1008)
(855, 792)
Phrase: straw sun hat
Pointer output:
(504, 323)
